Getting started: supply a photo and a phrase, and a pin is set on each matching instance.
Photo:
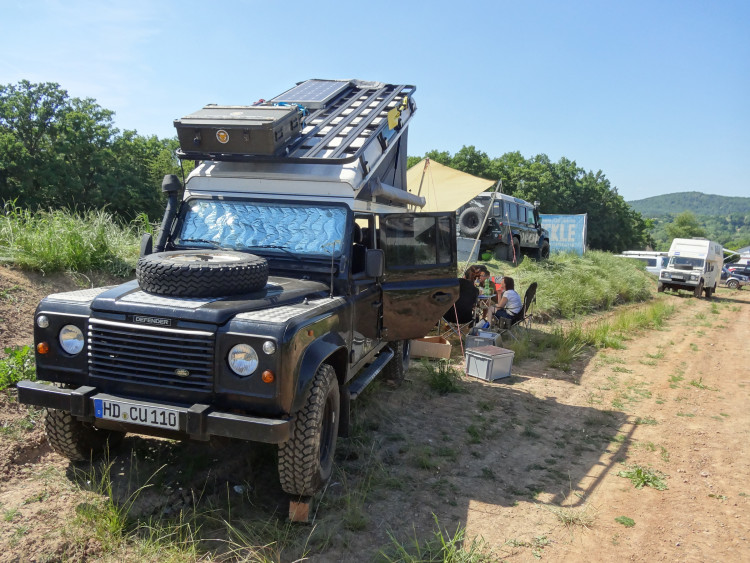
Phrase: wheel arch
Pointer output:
(319, 352)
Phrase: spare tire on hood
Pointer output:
(201, 273)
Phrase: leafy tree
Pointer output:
(685, 225)
(57, 151)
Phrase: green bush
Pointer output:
(17, 365)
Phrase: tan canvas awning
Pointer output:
(444, 188)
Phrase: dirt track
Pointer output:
(504, 460)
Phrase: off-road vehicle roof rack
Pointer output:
(342, 121)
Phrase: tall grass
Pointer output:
(571, 285)
(60, 240)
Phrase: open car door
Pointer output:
(419, 284)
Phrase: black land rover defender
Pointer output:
(283, 281)
(512, 229)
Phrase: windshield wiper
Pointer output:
(285, 249)
(213, 243)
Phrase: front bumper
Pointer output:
(199, 421)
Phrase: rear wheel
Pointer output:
(514, 252)
(395, 370)
(306, 459)
(709, 291)
(76, 440)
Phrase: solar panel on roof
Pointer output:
(313, 94)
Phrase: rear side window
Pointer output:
(418, 241)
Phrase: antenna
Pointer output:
(332, 244)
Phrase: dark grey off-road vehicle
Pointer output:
(284, 280)
(511, 230)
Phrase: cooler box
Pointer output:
(430, 347)
(263, 130)
(489, 362)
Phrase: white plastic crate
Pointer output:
(489, 362)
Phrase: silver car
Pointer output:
(733, 280)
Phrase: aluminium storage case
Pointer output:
(489, 362)
(256, 130)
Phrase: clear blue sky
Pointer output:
(654, 94)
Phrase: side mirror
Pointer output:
(146, 245)
(374, 263)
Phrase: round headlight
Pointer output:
(42, 321)
(269, 347)
(71, 339)
(243, 359)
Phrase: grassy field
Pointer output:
(58, 240)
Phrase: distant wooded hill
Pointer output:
(696, 202)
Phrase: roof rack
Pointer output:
(341, 122)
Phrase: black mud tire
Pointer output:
(542, 252)
(660, 287)
(76, 440)
(698, 290)
(709, 291)
(395, 370)
(201, 273)
(470, 221)
(306, 459)
(514, 252)
(733, 284)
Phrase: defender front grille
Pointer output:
(151, 356)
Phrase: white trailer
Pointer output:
(694, 265)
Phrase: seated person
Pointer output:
(467, 298)
(482, 274)
(509, 303)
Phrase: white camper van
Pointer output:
(694, 264)
(654, 260)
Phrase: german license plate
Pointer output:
(124, 411)
(677, 277)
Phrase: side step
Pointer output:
(369, 373)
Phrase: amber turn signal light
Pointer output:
(267, 376)
(42, 347)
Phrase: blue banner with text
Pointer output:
(567, 233)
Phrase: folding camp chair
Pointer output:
(461, 316)
(523, 318)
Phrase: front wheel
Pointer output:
(76, 440)
(543, 252)
(306, 459)
(698, 289)
(660, 287)
(395, 370)
(733, 284)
